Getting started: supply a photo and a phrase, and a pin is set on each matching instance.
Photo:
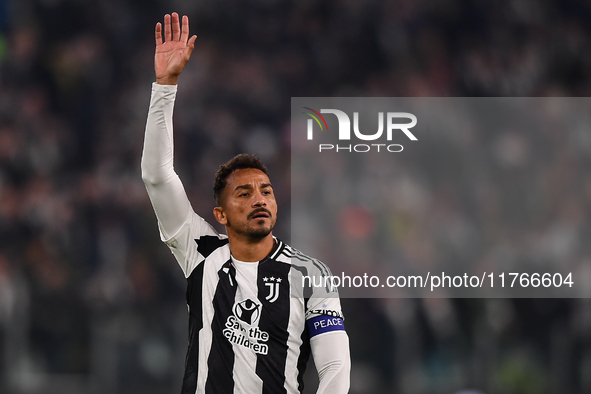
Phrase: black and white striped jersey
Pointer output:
(250, 323)
(252, 326)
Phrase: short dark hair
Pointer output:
(241, 161)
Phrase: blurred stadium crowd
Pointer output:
(91, 301)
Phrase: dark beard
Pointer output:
(252, 233)
(258, 234)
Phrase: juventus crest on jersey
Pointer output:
(250, 324)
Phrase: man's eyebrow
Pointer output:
(246, 186)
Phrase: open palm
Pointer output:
(172, 53)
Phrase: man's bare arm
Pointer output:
(164, 187)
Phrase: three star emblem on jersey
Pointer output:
(273, 285)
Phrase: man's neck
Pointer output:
(247, 249)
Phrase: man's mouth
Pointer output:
(260, 214)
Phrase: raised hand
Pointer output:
(174, 52)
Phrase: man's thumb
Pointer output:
(191, 45)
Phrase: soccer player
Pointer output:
(250, 329)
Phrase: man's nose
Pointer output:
(259, 199)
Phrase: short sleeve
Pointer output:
(323, 309)
(184, 244)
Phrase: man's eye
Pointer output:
(243, 195)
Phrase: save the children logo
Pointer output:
(240, 330)
(248, 311)
(395, 122)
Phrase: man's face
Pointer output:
(248, 205)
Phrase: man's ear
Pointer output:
(220, 215)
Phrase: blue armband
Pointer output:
(324, 323)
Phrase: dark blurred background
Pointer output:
(91, 301)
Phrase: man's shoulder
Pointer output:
(301, 261)
(208, 243)
(194, 227)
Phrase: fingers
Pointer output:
(167, 28)
(176, 27)
(191, 46)
(158, 34)
(185, 32)
(172, 29)
(191, 43)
